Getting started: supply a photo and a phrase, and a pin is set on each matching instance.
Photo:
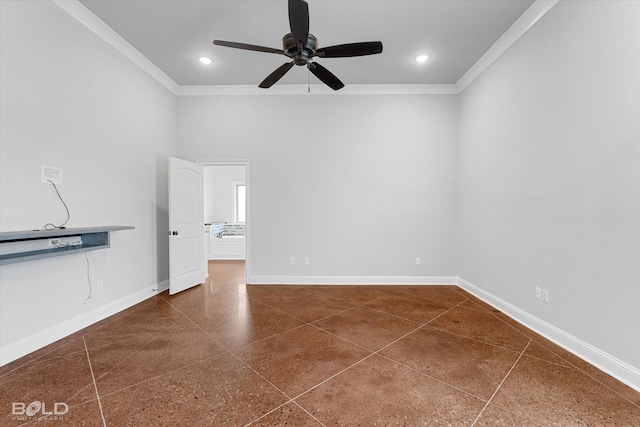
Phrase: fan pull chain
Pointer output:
(308, 80)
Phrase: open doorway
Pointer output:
(227, 201)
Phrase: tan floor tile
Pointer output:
(162, 354)
(494, 416)
(166, 361)
(469, 365)
(358, 294)
(301, 358)
(362, 396)
(242, 322)
(48, 381)
(287, 415)
(299, 302)
(410, 308)
(443, 293)
(557, 395)
(369, 328)
(482, 326)
(217, 391)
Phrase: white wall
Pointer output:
(550, 175)
(70, 101)
(218, 197)
(360, 184)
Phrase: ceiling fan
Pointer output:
(302, 46)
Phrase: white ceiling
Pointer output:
(172, 33)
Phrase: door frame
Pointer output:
(247, 178)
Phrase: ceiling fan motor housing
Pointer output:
(300, 57)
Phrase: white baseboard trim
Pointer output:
(162, 286)
(52, 334)
(600, 359)
(352, 280)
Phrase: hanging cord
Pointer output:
(308, 80)
(88, 277)
(50, 226)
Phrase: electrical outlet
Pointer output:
(292, 260)
(306, 260)
(99, 285)
(538, 293)
(418, 261)
(545, 295)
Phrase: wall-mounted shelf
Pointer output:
(19, 246)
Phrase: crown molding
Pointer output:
(527, 20)
(426, 89)
(102, 30)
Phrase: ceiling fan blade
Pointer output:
(248, 47)
(299, 21)
(326, 76)
(350, 49)
(276, 75)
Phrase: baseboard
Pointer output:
(162, 286)
(52, 334)
(600, 359)
(352, 280)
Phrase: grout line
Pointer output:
(133, 353)
(569, 364)
(43, 357)
(374, 353)
(500, 385)
(237, 357)
(95, 385)
(394, 315)
(305, 323)
(278, 407)
(446, 384)
(575, 367)
(310, 414)
(161, 375)
(334, 375)
(252, 342)
(472, 339)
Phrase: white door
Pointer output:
(186, 218)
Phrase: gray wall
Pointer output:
(530, 177)
(550, 175)
(362, 185)
(72, 102)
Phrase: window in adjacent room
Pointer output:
(239, 191)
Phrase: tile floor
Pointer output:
(224, 353)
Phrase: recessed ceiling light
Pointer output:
(422, 58)
(205, 60)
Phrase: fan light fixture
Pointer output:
(422, 58)
(302, 47)
(205, 60)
